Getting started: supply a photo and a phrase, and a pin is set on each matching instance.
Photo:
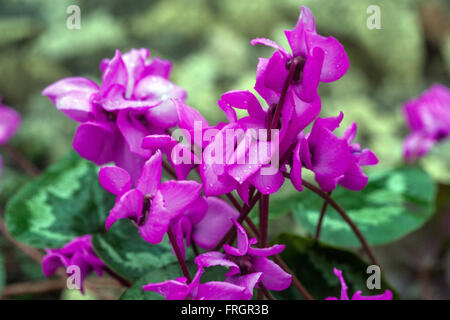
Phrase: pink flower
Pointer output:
(387, 295)
(179, 289)
(9, 123)
(151, 204)
(246, 260)
(428, 117)
(320, 59)
(79, 253)
(332, 159)
(134, 100)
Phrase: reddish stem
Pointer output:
(179, 255)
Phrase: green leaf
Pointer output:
(64, 202)
(313, 265)
(393, 204)
(125, 252)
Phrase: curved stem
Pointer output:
(297, 284)
(243, 214)
(345, 216)
(21, 160)
(286, 84)
(322, 215)
(180, 258)
(263, 219)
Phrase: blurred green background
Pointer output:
(209, 44)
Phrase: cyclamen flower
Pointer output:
(320, 59)
(134, 100)
(332, 159)
(387, 295)
(179, 289)
(9, 123)
(246, 260)
(162, 201)
(249, 162)
(78, 252)
(428, 117)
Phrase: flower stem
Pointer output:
(322, 215)
(345, 216)
(21, 160)
(243, 214)
(297, 284)
(263, 219)
(284, 91)
(180, 258)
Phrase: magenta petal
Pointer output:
(243, 99)
(244, 191)
(52, 261)
(296, 36)
(171, 289)
(269, 43)
(330, 154)
(344, 288)
(157, 141)
(159, 67)
(168, 203)
(268, 94)
(214, 258)
(327, 183)
(217, 290)
(273, 276)
(9, 123)
(242, 242)
(417, 145)
(154, 88)
(188, 116)
(296, 170)
(96, 141)
(276, 72)
(265, 183)
(387, 295)
(230, 113)
(265, 252)
(197, 210)
(68, 85)
(127, 206)
(72, 96)
(311, 75)
(178, 195)
(214, 184)
(218, 220)
(133, 132)
(336, 62)
(367, 158)
(350, 133)
(354, 178)
(163, 115)
(248, 281)
(150, 178)
(115, 180)
(114, 74)
(158, 221)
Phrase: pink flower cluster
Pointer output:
(127, 120)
